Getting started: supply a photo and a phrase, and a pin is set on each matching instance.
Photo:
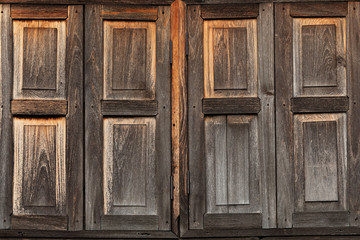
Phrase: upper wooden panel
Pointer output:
(230, 58)
(39, 11)
(319, 57)
(39, 59)
(129, 60)
(39, 167)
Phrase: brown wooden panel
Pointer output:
(231, 105)
(39, 107)
(129, 12)
(39, 11)
(319, 104)
(320, 160)
(229, 11)
(129, 59)
(39, 222)
(130, 222)
(319, 56)
(230, 58)
(229, 221)
(319, 9)
(329, 219)
(40, 58)
(129, 107)
(39, 177)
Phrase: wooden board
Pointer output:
(229, 11)
(129, 13)
(319, 104)
(129, 107)
(19, 11)
(39, 107)
(231, 105)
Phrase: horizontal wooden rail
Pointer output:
(145, 13)
(39, 11)
(319, 104)
(338, 9)
(129, 107)
(232, 221)
(39, 107)
(230, 11)
(231, 105)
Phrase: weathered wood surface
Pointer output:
(39, 107)
(39, 11)
(89, 2)
(39, 222)
(231, 221)
(6, 140)
(326, 219)
(231, 105)
(144, 13)
(129, 107)
(318, 10)
(130, 222)
(229, 11)
(319, 104)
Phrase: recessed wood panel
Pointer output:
(39, 59)
(129, 160)
(231, 163)
(230, 58)
(320, 162)
(129, 60)
(39, 167)
(319, 56)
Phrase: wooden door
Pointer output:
(41, 127)
(316, 114)
(231, 116)
(127, 102)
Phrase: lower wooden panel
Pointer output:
(39, 222)
(329, 219)
(232, 221)
(134, 222)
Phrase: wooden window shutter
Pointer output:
(41, 127)
(316, 114)
(127, 103)
(231, 118)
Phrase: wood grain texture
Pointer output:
(319, 56)
(319, 104)
(39, 74)
(39, 167)
(197, 197)
(126, 2)
(266, 116)
(39, 107)
(129, 60)
(93, 118)
(334, 219)
(75, 118)
(230, 74)
(231, 221)
(231, 105)
(130, 222)
(144, 13)
(284, 140)
(129, 107)
(318, 10)
(6, 149)
(129, 167)
(354, 112)
(163, 119)
(19, 11)
(229, 11)
(39, 222)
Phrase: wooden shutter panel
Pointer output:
(231, 120)
(315, 114)
(42, 131)
(128, 151)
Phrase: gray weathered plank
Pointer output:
(130, 222)
(129, 107)
(229, 11)
(283, 76)
(20, 11)
(231, 221)
(319, 104)
(39, 107)
(230, 58)
(326, 219)
(39, 222)
(197, 198)
(144, 13)
(6, 149)
(93, 118)
(231, 105)
(354, 113)
(318, 10)
(75, 117)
